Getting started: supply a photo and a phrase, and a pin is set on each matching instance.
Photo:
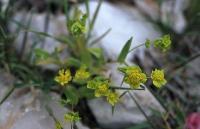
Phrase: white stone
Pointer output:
(124, 21)
(170, 12)
(56, 28)
(26, 110)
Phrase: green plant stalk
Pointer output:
(140, 108)
(10, 91)
(124, 88)
(137, 47)
(176, 68)
(46, 24)
(25, 38)
(91, 25)
(3, 33)
(99, 38)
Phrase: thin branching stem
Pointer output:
(10, 91)
(187, 61)
(136, 47)
(125, 88)
(3, 33)
(91, 25)
(24, 42)
(142, 111)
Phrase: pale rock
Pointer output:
(4, 4)
(149, 8)
(124, 21)
(6, 80)
(173, 14)
(34, 120)
(169, 12)
(25, 109)
(193, 72)
(56, 28)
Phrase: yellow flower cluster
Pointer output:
(163, 43)
(58, 125)
(81, 75)
(112, 98)
(158, 78)
(72, 117)
(102, 89)
(134, 76)
(77, 26)
(64, 76)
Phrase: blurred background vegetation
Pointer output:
(180, 97)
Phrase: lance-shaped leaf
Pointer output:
(125, 51)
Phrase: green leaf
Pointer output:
(95, 15)
(86, 57)
(72, 95)
(41, 54)
(98, 39)
(48, 61)
(156, 113)
(91, 25)
(97, 52)
(73, 62)
(125, 51)
(39, 33)
(86, 93)
(143, 125)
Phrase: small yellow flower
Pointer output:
(81, 75)
(64, 76)
(147, 43)
(134, 77)
(72, 117)
(77, 28)
(163, 43)
(92, 84)
(112, 98)
(158, 78)
(102, 89)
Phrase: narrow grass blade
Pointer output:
(10, 91)
(100, 38)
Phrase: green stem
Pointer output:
(125, 63)
(122, 81)
(3, 33)
(142, 111)
(10, 91)
(124, 88)
(137, 47)
(91, 26)
(176, 68)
